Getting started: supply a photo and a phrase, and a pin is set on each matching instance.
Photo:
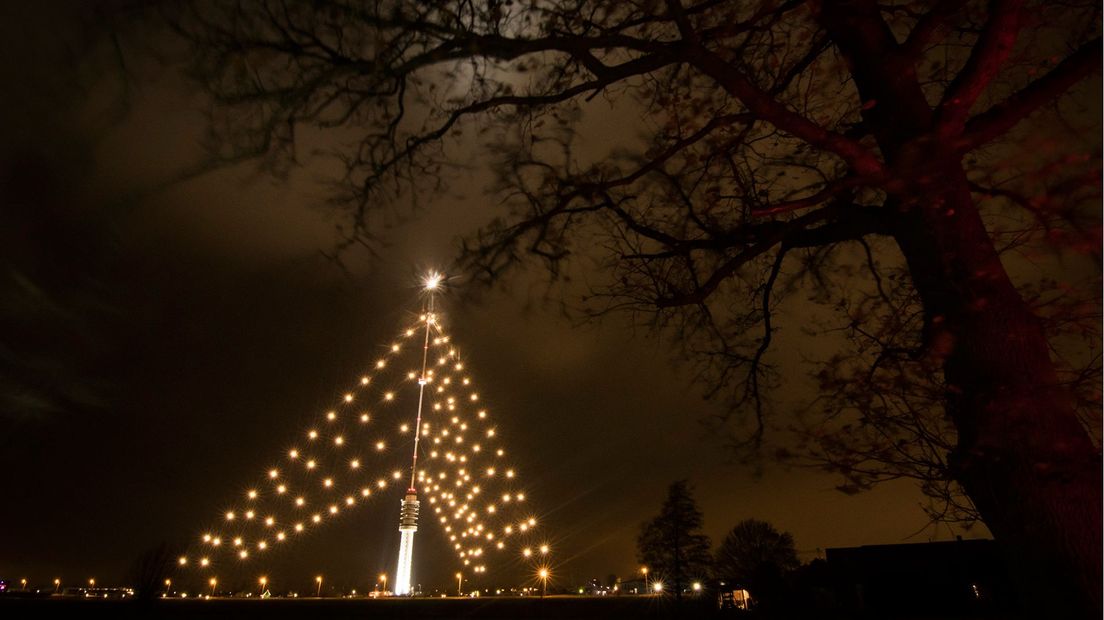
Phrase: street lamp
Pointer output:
(168, 585)
(544, 581)
(644, 569)
(57, 585)
(264, 582)
(92, 582)
(459, 584)
(383, 579)
(23, 583)
(319, 580)
(213, 582)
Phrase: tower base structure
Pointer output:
(408, 525)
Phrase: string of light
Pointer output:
(351, 452)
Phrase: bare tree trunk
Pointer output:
(1022, 456)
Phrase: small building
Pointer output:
(953, 576)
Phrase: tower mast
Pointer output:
(408, 513)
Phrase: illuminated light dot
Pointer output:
(364, 380)
(299, 501)
(206, 538)
(381, 483)
(521, 497)
(293, 454)
(389, 396)
(524, 527)
(328, 482)
(348, 398)
(269, 521)
(381, 363)
(182, 561)
(310, 464)
(508, 530)
(238, 542)
(380, 445)
(411, 375)
(491, 509)
(333, 509)
(349, 501)
(455, 420)
(298, 527)
(394, 348)
(262, 545)
(316, 518)
(442, 360)
(354, 463)
(544, 548)
(204, 561)
(527, 552)
(331, 416)
(312, 434)
(404, 428)
(396, 474)
(281, 489)
(339, 440)
(280, 535)
(459, 367)
(364, 417)
(273, 473)
(243, 554)
(365, 492)
(436, 406)
(252, 494)
(482, 414)
(500, 544)
(436, 440)
(476, 448)
(509, 473)
(459, 439)
(216, 541)
(500, 452)
(474, 396)
(249, 514)
(433, 454)
(230, 516)
(463, 427)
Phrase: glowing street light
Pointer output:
(644, 569)
(459, 584)
(213, 582)
(318, 579)
(696, 586)
(92, 582)
(432, 281)
(543, 574)
(264, 582)
(57, 585)
(383, 580)
(657, 587)
(23, 583)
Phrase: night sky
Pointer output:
(165, 340)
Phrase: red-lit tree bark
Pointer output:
(794, 145)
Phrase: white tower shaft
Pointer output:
(408, 514)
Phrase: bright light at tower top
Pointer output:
(432, 281)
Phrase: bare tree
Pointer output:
(900, 164)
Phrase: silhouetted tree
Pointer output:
(900, 165)
(757, 557)
(150, 569)
(672, 544)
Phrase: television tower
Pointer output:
(408, 513)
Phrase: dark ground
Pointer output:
(551, 608)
